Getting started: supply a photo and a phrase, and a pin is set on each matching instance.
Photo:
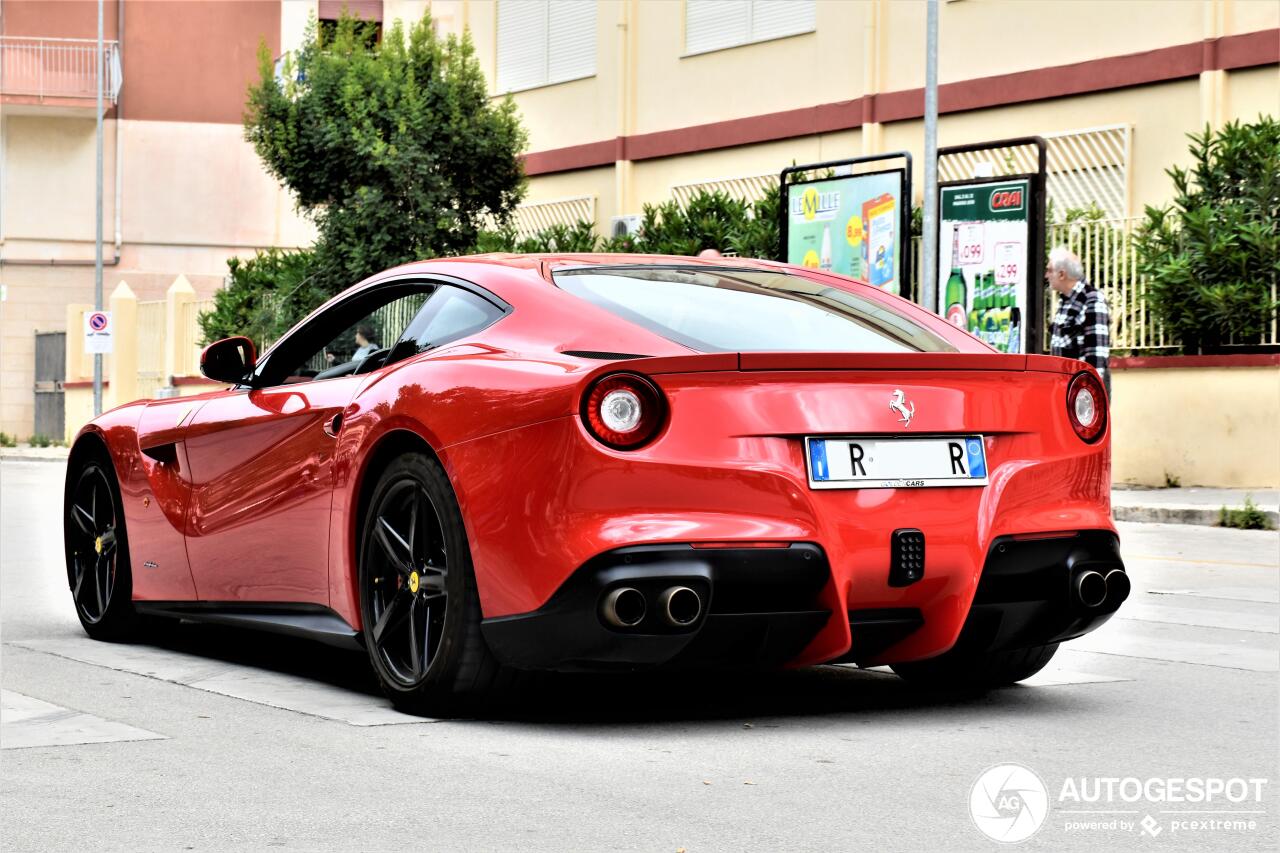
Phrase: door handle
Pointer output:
(333, 425)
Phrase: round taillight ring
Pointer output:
(623, 410)
(1087, 406)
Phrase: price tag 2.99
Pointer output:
(1008, 266)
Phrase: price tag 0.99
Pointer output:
(969, 240)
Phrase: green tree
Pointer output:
(264, 296)
(393, 148)
(1212, 258)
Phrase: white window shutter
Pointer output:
(776, 18)
(715, 24)
(522, 44)
(571, 40)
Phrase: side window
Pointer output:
(452, 313)
(355, 337)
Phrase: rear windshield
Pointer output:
(731, 310)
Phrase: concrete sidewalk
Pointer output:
(1193, 505)
(1128, 503)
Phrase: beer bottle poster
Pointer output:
(848, 225)
(983, 260)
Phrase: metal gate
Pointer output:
(51, 370)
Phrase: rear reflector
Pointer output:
(741, 544)
(1050, 534)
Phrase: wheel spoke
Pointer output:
(432, 580)
(84, 519)
(100, 585)
(80, 575)
(415, 506)
(426, 640)
(415, 654)
(394, 546)
(392, 615)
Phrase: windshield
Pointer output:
(732, 310)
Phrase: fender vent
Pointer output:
(602, 355)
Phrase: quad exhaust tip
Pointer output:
(624, 607)
(680, 606)
(1118, 587)
(1091, 588)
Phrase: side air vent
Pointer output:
(602, 355)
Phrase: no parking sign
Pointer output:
(97, 331)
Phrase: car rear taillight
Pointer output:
(1087, 406)
(623, 410)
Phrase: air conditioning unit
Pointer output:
(624, 226)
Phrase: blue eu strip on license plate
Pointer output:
(878, 462)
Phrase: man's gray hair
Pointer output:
(1062, 258)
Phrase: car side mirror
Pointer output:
(228, 360)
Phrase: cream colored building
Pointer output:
(665, 94)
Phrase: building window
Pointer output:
(545, 41)
(716, 24)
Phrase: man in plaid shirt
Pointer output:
(1082, 326)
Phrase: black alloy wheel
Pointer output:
(419, 604)
(97, 553)
(407, 569)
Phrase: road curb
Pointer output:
(1177, 515)
(35, 454)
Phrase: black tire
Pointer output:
(97, 549)
(970, 670)
(418, 594)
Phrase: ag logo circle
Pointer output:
(1008, 803)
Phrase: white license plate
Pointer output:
(896, 463)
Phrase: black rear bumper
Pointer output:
(760, 608)
(1027, 594)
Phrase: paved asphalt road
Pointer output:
(216, 740)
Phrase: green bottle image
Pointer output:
(956, 298)
(978, 305)
(990, 317)
(1006, 309)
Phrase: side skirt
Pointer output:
(308, 621)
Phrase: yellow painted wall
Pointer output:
(1204, 426)
(1248, 16)
(561, 114)
(981, 38)
(675, 90)
(1253, 92)
(858, 46)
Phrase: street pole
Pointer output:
(929, 269)
(97, 248)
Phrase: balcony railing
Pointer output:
(58, 69)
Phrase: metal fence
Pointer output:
(151, 372)
(1109, 253)
(58, 68)
(189, 334)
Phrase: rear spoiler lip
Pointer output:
(921, 361)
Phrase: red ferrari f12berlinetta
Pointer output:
(480, 465)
